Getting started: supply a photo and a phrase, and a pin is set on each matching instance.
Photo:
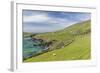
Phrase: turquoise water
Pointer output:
(31, 47)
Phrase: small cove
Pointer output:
(32, 47)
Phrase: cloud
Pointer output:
(45, 21)
(35, 18)
(84, 17)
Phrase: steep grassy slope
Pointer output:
(78, 50)
(71, 43)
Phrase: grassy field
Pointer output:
(71, 43)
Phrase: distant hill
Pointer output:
(71, 43)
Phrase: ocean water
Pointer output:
(31, 47)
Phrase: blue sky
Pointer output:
(49, 21)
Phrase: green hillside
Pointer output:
(71, 43)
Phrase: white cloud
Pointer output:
(44, 18)
(63, 22)
(36, 18)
